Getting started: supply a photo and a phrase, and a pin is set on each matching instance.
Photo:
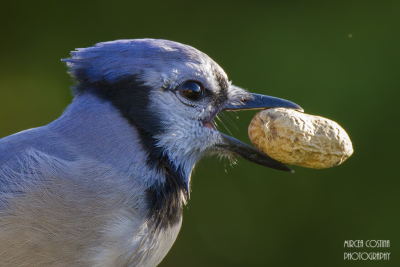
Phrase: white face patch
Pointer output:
(186, 138)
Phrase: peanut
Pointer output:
(300, 139)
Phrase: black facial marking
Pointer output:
(168, 212)
(131, 97)
(223, 85)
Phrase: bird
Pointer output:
(106, 182)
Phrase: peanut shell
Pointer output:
(300, 139)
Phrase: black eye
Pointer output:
(191, 90)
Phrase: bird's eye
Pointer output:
(191, 90)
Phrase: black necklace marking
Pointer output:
(131, 97)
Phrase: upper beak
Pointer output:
(261, 102)
(247, 152)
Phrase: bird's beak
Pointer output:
(247, 152)
(261, 102)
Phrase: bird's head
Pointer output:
(170, 93)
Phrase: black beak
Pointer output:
(247, 152)
(250, 153)
(261, 102)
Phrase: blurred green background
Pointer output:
(337, 59)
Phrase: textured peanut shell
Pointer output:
(300, 139)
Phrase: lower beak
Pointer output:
(247, 152)
(251, 154)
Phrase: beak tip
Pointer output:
(294, 106)
(286, 168)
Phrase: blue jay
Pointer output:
(104, 184)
